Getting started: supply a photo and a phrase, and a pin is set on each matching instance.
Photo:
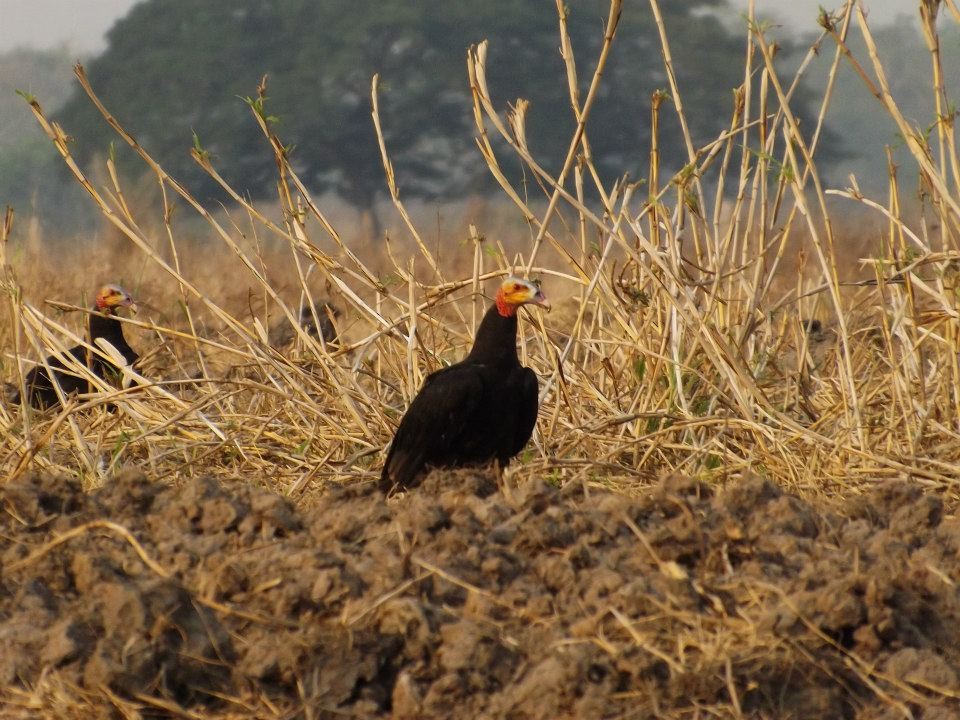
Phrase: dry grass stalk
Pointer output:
(680, 345)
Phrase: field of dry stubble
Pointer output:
(739, 501)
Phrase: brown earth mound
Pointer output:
(460, 601)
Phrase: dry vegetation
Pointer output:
(679, 346)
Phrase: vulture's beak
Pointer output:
(541, 300)
(129, 302)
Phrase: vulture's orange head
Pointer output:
(515, 292)
(111, 297)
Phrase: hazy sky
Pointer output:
(803, 13)
(81, 24)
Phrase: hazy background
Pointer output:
(80, 25)
(41, 39)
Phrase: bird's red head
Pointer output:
(111, 297)
(515, 292)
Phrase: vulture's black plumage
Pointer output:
(316, 320)
(102, 324)
(324, 313)
(482, 409)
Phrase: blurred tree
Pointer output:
(860, 127)
(44, 73)
(175, 67)
(31, 180)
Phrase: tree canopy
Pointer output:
(29, 164)
(176, 67)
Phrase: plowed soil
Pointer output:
(461, 600)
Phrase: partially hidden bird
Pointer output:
(481, 409)
(102, 325)
(322, 312)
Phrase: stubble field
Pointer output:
(739, 501)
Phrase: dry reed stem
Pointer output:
(678, 345)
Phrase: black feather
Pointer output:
(484, 408)
(316, 320)
(323, 312)
(40, 387)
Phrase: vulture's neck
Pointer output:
(105, 325)
(496, 342)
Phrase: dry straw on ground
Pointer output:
(680, 346)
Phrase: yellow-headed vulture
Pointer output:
(482, 409)
(102, 324)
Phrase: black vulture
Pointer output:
(479, 410)
(323, 311)
(102, 324)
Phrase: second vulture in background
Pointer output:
(482, 409)
(103, 324)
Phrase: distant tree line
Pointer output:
(173, 68)
(29, 165)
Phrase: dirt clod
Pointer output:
(459, 600)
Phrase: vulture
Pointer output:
(479, 410)
(103, 324)
(324, 312)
